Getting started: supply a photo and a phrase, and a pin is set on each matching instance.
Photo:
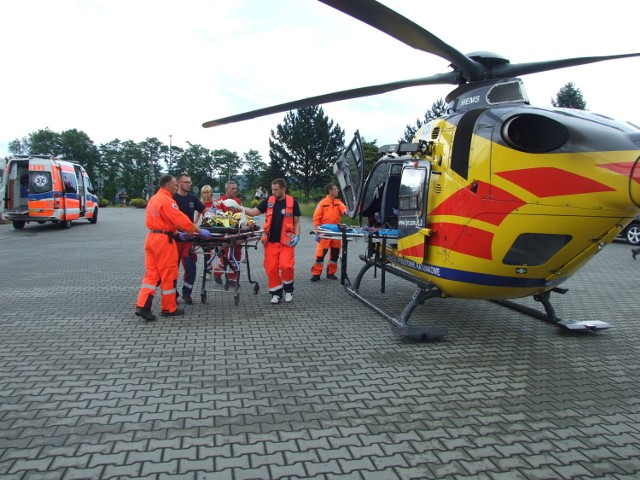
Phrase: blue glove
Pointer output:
(205, 233)
(182, 237)
(294, 241)
(317, 238)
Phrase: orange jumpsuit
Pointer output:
(279, 256)
(161, 254)
(328, 210)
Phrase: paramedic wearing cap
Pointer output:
(281, 234)
(328, 210)
(163, 218)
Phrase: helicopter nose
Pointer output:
(634, 183)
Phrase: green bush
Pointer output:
(103, 203)
(138, 203)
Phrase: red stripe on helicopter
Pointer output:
(553, 182)
(462, 239)
(624, 168)
(489, 204)
(415, 251)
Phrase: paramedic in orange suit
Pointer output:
(163, 217)
(281, 235)
(328, 210)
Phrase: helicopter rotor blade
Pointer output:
(438, 79)
(517, 69)
(401, 28)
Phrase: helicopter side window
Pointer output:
(411, 201)
(534, 249)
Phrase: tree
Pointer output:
(110, 167)
(227, 164)
(135, 171)
(438, 109)
(254, 168)
(45, 142)
(305, 147)
(19, 146)
(371, 155)
(274, 169)
(569, 96)
(196, 161)
(76, 146)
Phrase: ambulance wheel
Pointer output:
(18, 224)
(42, 222)
(94, 218)
(65, 224)
(236, 299)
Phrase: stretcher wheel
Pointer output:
(236, 299)
(256, 288)
(203, 297)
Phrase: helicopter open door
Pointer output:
(349, 169)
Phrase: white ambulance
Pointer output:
(41, 188)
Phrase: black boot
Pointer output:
(634, 252)
(145, 312)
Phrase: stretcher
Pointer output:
(377, 238)
(222, 250)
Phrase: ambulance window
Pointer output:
(40, 182)
(70, 183)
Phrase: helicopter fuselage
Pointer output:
(507, 201)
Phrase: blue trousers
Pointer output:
(189, 261)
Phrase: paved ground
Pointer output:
(318, 388)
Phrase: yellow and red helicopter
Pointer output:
(495, 200)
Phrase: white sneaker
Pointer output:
(288, 296)
(275, 299)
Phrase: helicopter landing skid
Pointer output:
(550, 315)
(423, 292)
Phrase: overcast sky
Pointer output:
(133, 69)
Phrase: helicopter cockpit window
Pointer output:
(532, 249)
(372, 196)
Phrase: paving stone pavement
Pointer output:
(319, 388)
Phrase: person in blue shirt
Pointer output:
(188, 204)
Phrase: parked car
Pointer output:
(632, 232)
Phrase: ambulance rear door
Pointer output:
(41, 188)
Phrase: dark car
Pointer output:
(632, 232)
